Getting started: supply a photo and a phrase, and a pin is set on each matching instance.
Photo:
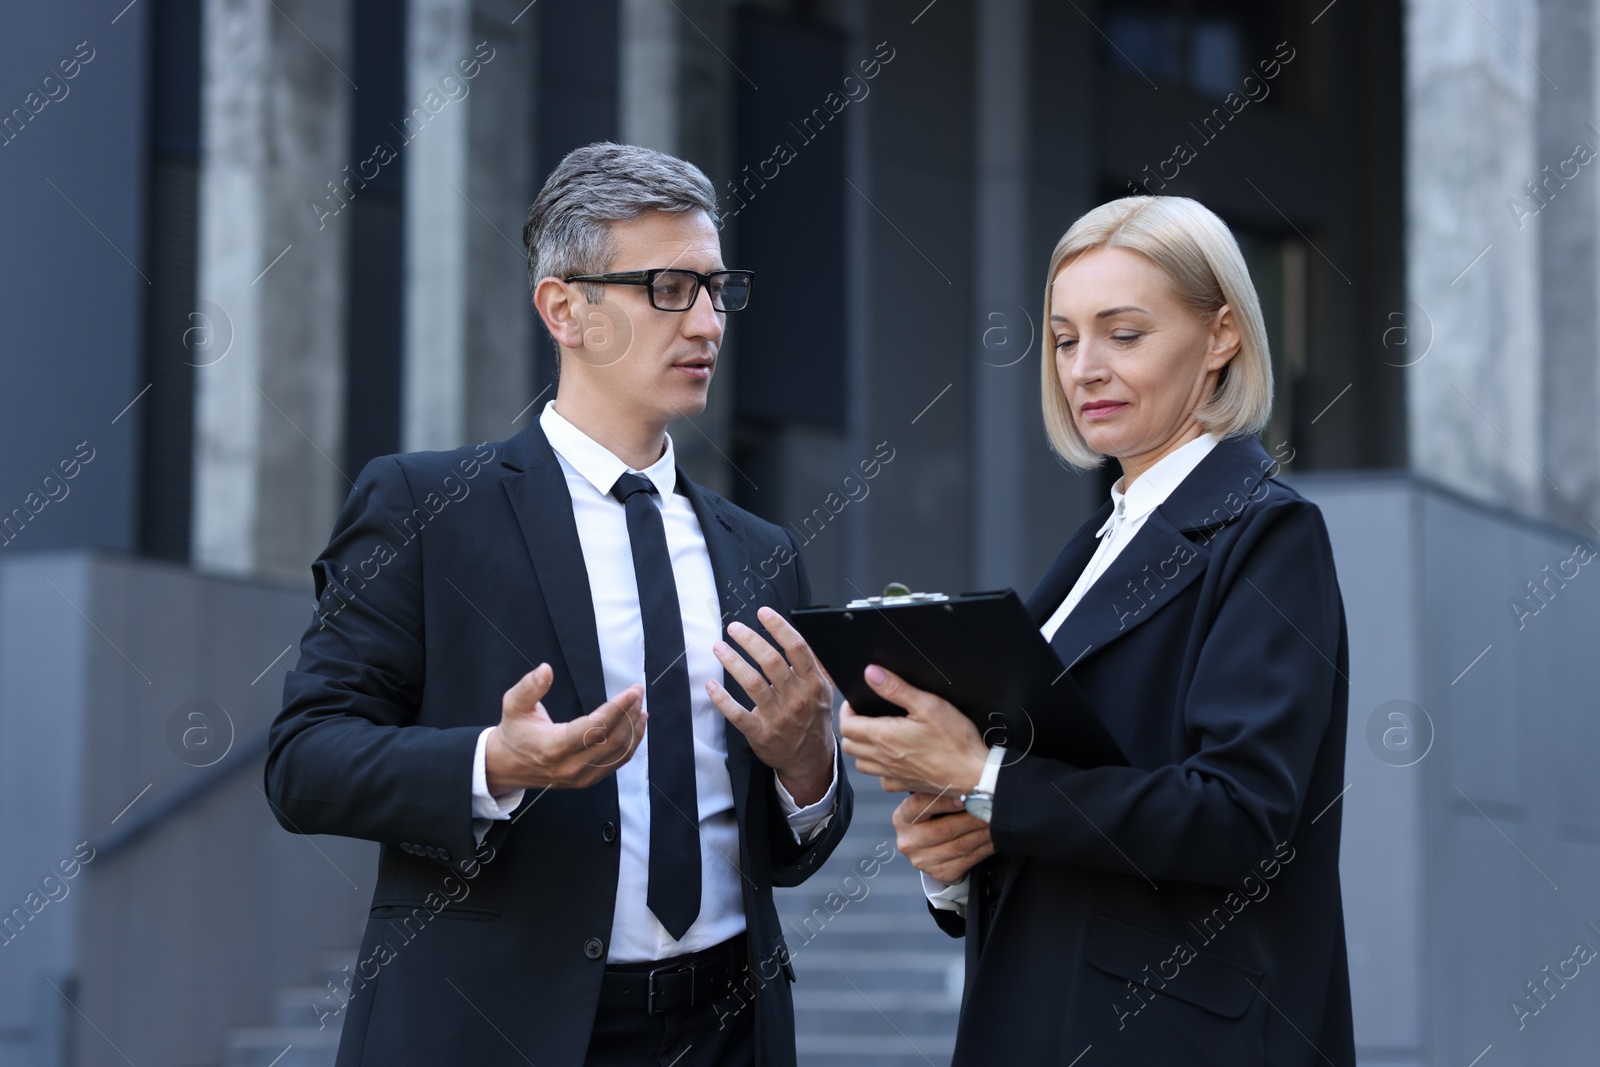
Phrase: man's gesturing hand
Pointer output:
(791, 727)
(529, 751)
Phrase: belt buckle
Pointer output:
(650, 990)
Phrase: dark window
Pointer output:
(178, 333)
(1205, 46)
(784, 205)
(373, 316)
(578, 71)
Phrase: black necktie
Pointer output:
(674, 890)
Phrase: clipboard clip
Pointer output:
(895, 594)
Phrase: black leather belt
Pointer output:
(679, 982)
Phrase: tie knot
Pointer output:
(629, 484)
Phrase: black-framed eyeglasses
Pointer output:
(676, 289)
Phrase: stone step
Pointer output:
(875, 1012)
(839, 935)
(872, 970)
(280, 1046)
(886, 1050)
(915, 929)
(337, 966)
(890, 903)
(856, 919)
(886, 1000)
(315, 1006)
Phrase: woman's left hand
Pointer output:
(933, 749)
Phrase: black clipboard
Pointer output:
(980, 651)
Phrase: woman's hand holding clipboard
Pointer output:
(980, 652)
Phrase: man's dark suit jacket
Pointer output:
(1184, 909)
(450, 575)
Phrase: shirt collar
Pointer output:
(595, 462)
(1152, 488)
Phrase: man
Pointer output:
(516, 682)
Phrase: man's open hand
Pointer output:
(530, 751)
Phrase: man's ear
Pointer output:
(557, 303)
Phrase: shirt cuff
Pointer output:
(807, 822)
(946, 897)
(486, 808)
(991, 770)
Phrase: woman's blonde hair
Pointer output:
(1198, 253)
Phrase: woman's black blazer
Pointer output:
(1184, 909)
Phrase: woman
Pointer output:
(1183, 909)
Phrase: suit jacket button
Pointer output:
(608, 832)
(594, 948)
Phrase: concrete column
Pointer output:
(276, 101)
(651, 51)
(468, 135)
(1570, 273)
(677, 96)
(1472, 99)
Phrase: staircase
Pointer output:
(294, 1038)
(878, 984)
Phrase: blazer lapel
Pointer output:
(1063, 573)
(1149, 572)
(1162, 559)
(539, 496)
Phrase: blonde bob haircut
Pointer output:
(1198, 254)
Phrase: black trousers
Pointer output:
(700, 1035)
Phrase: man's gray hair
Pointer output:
(568, 229)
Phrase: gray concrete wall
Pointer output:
(72, 283)
(124, 687)
(1472, 839)
(44, 696)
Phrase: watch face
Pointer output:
(979, 804)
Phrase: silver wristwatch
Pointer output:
(980, 804)
(980, 801)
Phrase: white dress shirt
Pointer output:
(636, 935)
(1129, 510)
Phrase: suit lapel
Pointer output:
(1063, 573)
(1157, 565)
(543, 505)
(1161, 560)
